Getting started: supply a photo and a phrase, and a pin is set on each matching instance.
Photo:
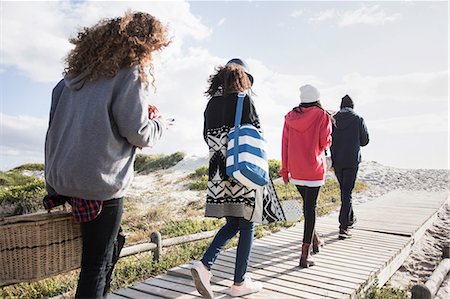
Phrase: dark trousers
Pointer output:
(99, 241)
(309, 195)
(347, 179)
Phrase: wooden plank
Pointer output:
(293, 282)
(116, 296)
(294, 258)
(349, 266)
(349, 256)
(333, 235)
(267, 287)
(292, 273)
(188, 291)
(368, 250)
(134, 294)
(160, 291)
(334, 273)
(220, 286)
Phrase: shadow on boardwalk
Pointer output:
(382, 239)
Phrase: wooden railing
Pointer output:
(156, 243)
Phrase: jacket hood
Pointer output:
(301, 121)
(345, 119)
(76, 82)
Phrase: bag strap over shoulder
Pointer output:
(237, 124)
(239, 108)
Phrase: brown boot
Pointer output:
(317, 243)
(305, 259)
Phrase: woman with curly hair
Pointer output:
(99, 116)
(226, 197)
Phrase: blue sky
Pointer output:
(391, 57)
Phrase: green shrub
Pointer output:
(329, 196)
(31, 166)
(14, 178)
(189, 226)
(147, 163)
(199, 172)
(386, 293)
(26, 198)
(199, 184)
(274, 168)
(199, 179)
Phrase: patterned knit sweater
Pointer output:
(226, 197)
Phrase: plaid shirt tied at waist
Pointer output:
(83, 210)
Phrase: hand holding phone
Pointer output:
(153, 112)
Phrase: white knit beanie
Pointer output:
(309, 94)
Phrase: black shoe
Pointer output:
(351, 223)
(344, 234)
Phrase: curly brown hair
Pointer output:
(228, 79)
(113, 44)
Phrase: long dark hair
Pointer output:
(307, 105)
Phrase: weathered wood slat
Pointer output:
(116, 296)
(158, 290)
(369, 251)
(291, 266)
(382, 238)
(223, 278)
(134, 294)
(295, 274)
(220, 286)
(271, 277)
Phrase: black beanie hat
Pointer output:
(346, 102)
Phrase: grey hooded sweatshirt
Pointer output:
(94, 129)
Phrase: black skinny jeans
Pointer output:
(98, 237)
(309, 195)
(347, 179)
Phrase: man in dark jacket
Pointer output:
(349, 134)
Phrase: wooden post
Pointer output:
(430, 288)
(155, 238)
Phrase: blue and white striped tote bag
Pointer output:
(246, 154)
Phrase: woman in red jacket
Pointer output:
(306, 135)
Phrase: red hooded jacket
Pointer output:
(306, 135)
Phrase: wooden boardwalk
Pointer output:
(382, 239)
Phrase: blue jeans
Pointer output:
(228, 231)
(97, 262)
(347, 179)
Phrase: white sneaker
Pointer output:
(248, 287)
(202, 279)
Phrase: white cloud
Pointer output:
(22, 139)
(367, 15)
(322, 16)
(297, 13)
(414, 124)
(413, 88)
(35, 34)
(221, 22)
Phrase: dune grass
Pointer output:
(31, 166)
(386, 293)
(145, 164)
(20, 194)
